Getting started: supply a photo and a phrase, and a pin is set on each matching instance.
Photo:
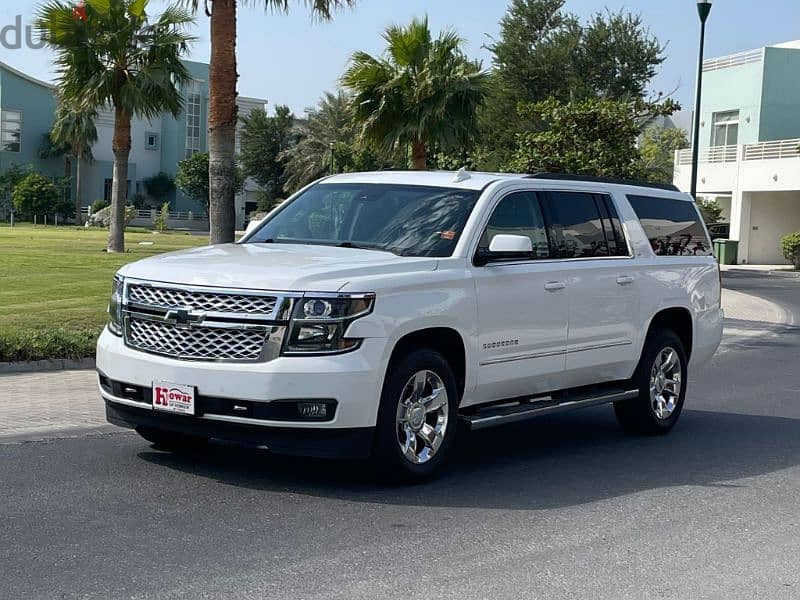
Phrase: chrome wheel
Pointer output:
(422, 417)
(665, 383)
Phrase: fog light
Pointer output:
(313, 410)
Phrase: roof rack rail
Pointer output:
(568, 177)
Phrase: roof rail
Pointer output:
(568, 177)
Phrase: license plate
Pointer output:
(173, 398)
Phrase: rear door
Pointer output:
(601, 284)
(522, 308)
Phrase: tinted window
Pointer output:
(615, 238)
(672, 226)
(518, 214)
(407, 220)
(576, 227)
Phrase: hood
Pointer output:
(279, 267)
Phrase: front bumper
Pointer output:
(320, 443)
(352, 380)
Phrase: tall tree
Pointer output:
(423, 92)
(222, 111)
(75, 130)
(330, 122)
(192, 179)
(264, 138)
(545, 52)
(108, 52)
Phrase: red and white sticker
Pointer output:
(173, 397)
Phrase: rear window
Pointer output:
(673, 226)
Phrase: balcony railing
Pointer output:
(772, 150)
(717, 154)
(733, 60)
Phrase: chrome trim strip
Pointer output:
(259, 422)
(476, 423)
(599, 346)
(495, 361)
(212, 289)
(208, 323)
(125, 401)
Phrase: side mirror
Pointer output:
(505, 247)
(511, 244)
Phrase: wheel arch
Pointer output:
(677, 319)
(445, 340)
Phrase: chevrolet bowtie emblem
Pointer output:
(182, 317)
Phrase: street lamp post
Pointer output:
(703, 9)
(332, 146)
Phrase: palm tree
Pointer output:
(75, 130)
(108, 52)
(330, 122)
(422, 93)
(222, 110)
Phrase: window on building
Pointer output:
(725, 128)
(10, 130)
(673, 226)
(151, 141)
(193, 118)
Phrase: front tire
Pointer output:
(171, 440)
(418, 417)
(661, 378)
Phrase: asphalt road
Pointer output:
(562, 507)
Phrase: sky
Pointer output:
(292, 59)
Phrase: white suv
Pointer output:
(372, 313)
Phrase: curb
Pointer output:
(35, 366)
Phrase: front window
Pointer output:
(11, 131)
(725, 128)
(403, 219)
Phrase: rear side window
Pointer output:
(673, 227)
(582, 225)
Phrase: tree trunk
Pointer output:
(222, 116)
(419, 155)
(121, 145)
(78, 203)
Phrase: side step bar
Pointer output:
(528, 409)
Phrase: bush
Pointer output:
(102, 218)
(790, 244)
(99, 205)
(48, 345)
(162, 220)
(36, 195)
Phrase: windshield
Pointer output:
(402, 219)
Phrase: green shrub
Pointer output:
(162, 220)
(790, 244)
(36, 195)
(99, 205)
(49, 344)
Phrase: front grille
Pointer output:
(219, 302)
(198, 343)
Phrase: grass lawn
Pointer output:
(59, 279)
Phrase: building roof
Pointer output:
(10, 69)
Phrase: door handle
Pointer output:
(624, 279)
(553, 286)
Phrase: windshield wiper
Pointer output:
(363, 246)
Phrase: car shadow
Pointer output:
(551, 462)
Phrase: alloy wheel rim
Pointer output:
(422, 417)
(665, 383)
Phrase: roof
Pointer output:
(476, 181)
(10, 69)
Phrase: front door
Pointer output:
(522, 308)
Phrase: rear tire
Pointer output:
(417, 419)
(171, 440)
(661, 378)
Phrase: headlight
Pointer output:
(115, 307)
(319, 323)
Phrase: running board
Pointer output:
(528, 409)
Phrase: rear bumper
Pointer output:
(314, 442)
